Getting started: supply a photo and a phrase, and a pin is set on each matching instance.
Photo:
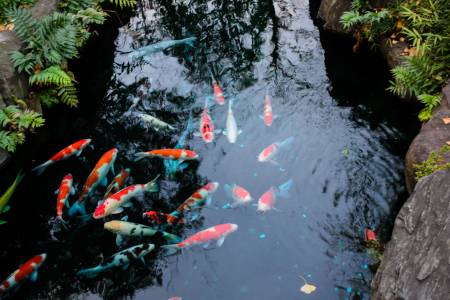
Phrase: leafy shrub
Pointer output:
(14, 123)
(7, 4)
(425, 25)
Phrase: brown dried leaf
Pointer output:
(446, 120)
(448, 143)
(7, 27)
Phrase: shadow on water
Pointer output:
(346, 161)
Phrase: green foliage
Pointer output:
(8, 4)
(425, 25)
(433, 163)
(14, 123)
(123, 3)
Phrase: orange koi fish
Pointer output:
(65, 189)
(218, 94)
(216, 233)
(74, 149)
(269, 153)
(117, 183)
(267, 112)
(175, 154)
(239, 194)
(28, 269)
(96, 177)
(200, 198)
(269, 198)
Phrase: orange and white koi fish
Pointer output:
(175, 298)
(96, 177)
(27, 270)
(201, 197)
(65, 189)
(267, 111)
(216, 233)
(114, 203)
(269, 198)
(207, 131)
(176, 154)
(239, 194)
(218, 94)
(117, 183)
(269, 153)
(74, 149)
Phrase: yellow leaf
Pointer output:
(307, 288)
(446, 120)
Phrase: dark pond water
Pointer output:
(346, 162)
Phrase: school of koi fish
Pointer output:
(117, 196)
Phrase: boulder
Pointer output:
(432, 136)
(416, 262)
(330, 12)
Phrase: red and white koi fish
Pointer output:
(162, 219)
(216, 233)
(198, 199)
(28, 269)
(206, 126)
(117, 183)
(269, 198)
(218, 94)
(239, 194)
(74, 149)
(114, 203)
(65, 189)
(269, 153)
(96, 177)
(175, 298)
(267, 112)
(176, 154)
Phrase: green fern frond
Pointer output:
(23, 62)
(24, 23)
(53, 75)
(30, 119)
(10, 139)
(123, 3)
(91, 16)
(68, 95)
(48, 97)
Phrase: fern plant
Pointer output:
(15, 123)
(435, 162)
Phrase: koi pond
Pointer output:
(318, 170)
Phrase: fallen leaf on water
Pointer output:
(446, 120)
(307, 288)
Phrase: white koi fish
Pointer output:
(154, 122)
(231, 131)
(120, 259)
(122, 228)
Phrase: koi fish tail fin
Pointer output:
(170, 249)
(41, 168)
(63, 222)
(190, 41)
(283, 189)
(171, 238)
(90, 273)
(287, 142)
(77, 207)
(141, 155)
(228, 190)
(152, 186)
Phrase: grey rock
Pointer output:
(416, 262)
(432, 136)
(4, 157)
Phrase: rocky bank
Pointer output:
(416, 263)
